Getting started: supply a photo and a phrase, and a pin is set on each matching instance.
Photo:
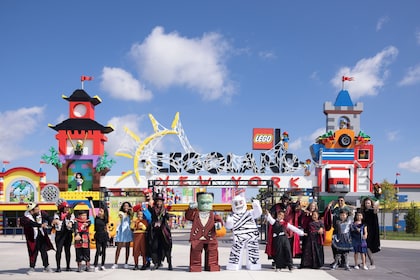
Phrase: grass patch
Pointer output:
(400, 235)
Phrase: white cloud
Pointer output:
(318, 132)
(369, 74)
(61, 118)
(295, 145)
(412, 76)
(168, 59)
(122, 85)
(315, 76)
(15, 127)
(381, 22)
(119, 140)
(392, 135)
(412, 165)
(268, 55)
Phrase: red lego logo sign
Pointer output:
(263, 138)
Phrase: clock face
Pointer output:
(79, 110)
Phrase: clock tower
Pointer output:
(81, 145)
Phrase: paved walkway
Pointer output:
(14, 264)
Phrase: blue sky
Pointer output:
(225, 66)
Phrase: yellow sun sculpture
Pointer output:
(145, 148)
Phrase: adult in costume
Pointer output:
(160, 238)
(63, 224)
(35, 223)
(101, 232)
(245, 234)
(370, 218)
(203, 233)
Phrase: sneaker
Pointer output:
(114, 266)
(47, 269)
(356, 267)
(372, 266)
(58, 269)
(126, 265)
(96, 269)
(103, 267)
(30, 270)
(365, 267)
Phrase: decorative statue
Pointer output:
(245, 234)
(203, 233)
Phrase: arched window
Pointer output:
(343, 122)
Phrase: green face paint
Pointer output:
(205, 202)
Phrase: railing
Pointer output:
(13, 231)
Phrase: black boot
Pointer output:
(169, 263)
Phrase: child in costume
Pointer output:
(313, 247)
(282, 251)
(341, 241)
(139, 227)
(81, 241)
(124, 234)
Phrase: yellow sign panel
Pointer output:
(79, 195)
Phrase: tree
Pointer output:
(388, 201)
(412, 220)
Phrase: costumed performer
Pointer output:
(203, 233)
(245, 233)
(35, 223)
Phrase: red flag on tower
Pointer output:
(86, 78)
(345, 78)
(6, 162)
